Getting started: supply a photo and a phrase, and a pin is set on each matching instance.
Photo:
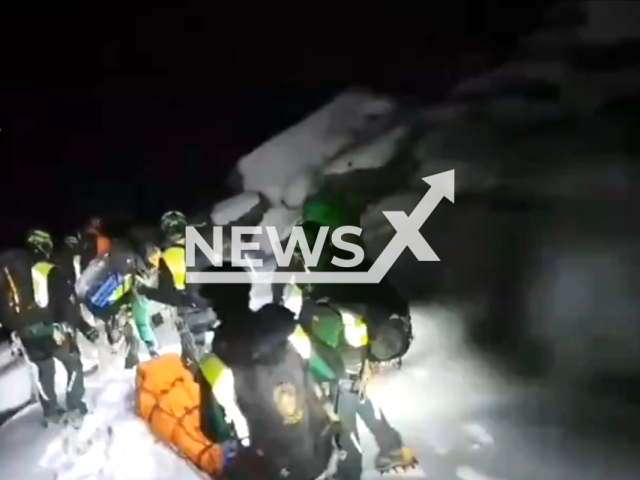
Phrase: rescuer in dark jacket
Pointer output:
(195, 316)
(275, 392)
(108, 288)
(47, 329)
(68, 258)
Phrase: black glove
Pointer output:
(92, 334)
(199, 302)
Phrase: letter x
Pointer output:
(408, 234)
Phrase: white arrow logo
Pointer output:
(407, 236)
(408, 228)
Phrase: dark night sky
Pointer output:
(129, 109)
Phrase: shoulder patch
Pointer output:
(287, 403)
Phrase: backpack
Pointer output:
(286, 418)
(16, 287)
(105, 281)
(277, 396)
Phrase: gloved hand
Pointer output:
(190, 364)
(199, 302)
(248, 464)
(59, 334)
(151, 348)
(92, 334)
(186, 300)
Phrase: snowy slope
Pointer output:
(462, 420)
(128, 451)
(15, 388)
(114, 444)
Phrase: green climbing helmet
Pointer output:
(173, 224)
(325, 212)
(40, 241)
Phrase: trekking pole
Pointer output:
(187, 343)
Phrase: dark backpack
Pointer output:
(16, 288)
(285, 417)
(275, 392)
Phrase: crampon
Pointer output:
(396, 461)
(381, 367)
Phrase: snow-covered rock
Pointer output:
(283, 219)
(371, 155)
(305, 147)
(234, 208)
(302, 187)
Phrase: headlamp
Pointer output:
(355, 329)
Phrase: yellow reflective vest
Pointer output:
(175, 259)
(122, 289)
(39, 275)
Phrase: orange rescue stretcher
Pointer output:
(168, 400)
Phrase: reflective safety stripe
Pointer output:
(220, 377)
(212, 368)
(175, 259)
(39, 273)
(76, 266)
(123, 288)
(301, 342)
(14, 301)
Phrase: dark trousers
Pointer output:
(70, 359)
(387, 438)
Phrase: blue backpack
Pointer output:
(108, 293)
